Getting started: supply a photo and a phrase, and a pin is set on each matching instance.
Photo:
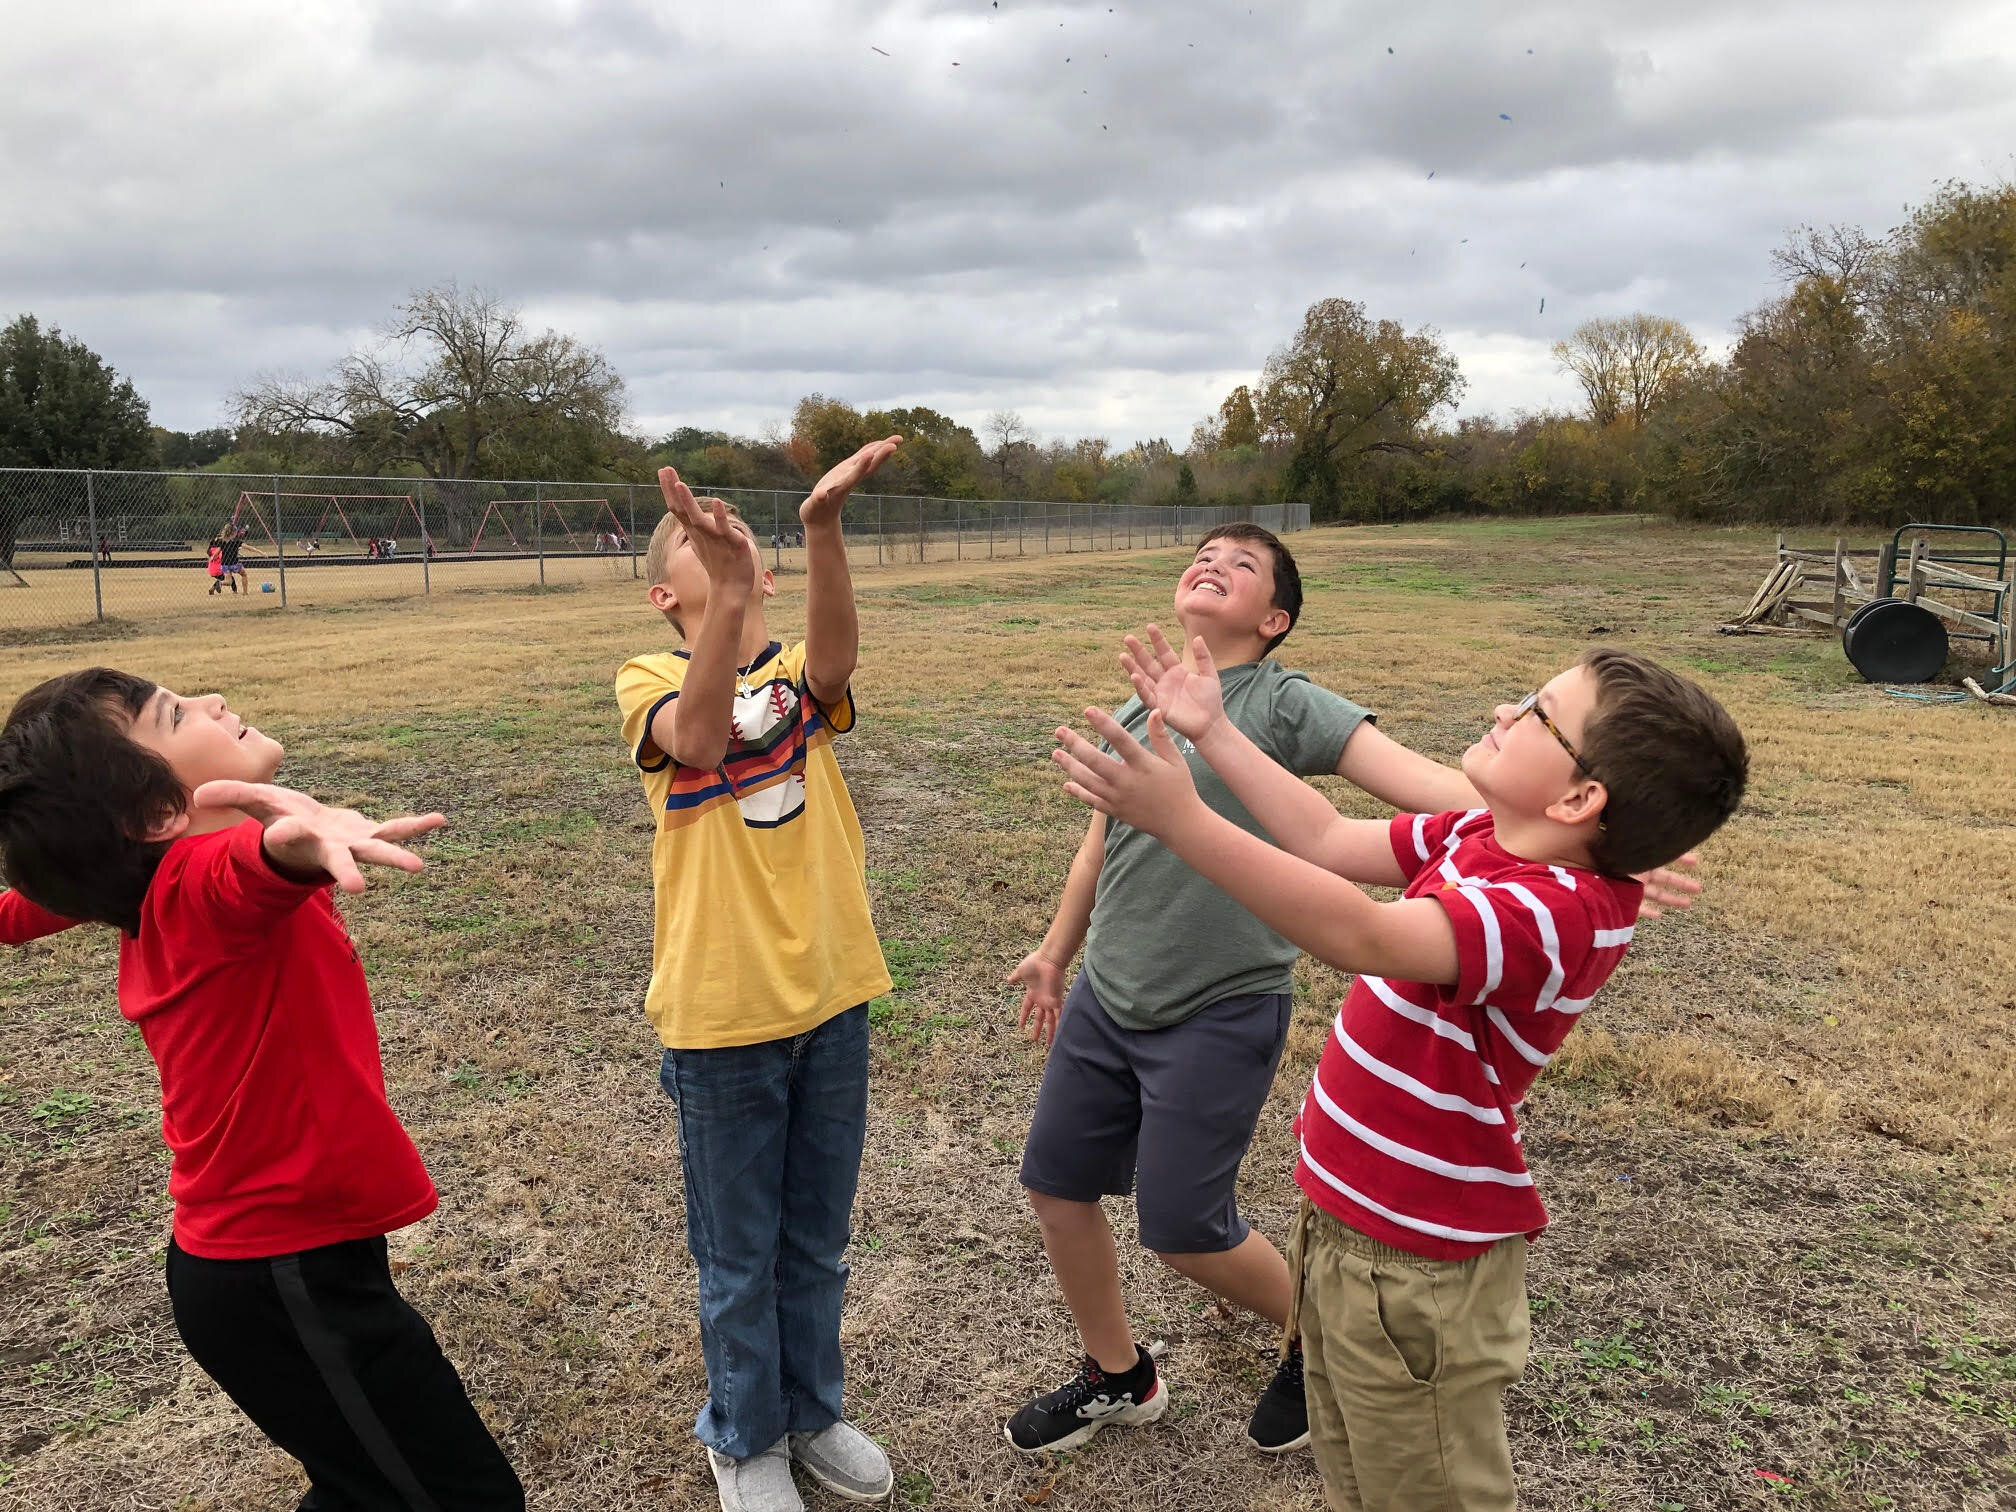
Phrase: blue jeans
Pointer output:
(770, 1137)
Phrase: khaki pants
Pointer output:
(1407, 1363)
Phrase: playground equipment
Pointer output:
(1892, 627)
(403, 506)
(543, 510)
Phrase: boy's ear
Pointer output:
(769, 584)
(1275, 624)
(662, 597)
(172, 828)
(1582, 804)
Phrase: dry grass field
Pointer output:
(1778, 1154)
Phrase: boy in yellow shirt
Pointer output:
(764, 959)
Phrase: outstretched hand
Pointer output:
(1191, 700)
(728, 555)
(830, 492)
(1667, 887)
(309, 838)
(1149, 786)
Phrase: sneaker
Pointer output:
(1280, 1421)
(760, 1483)
(846, 1462)
(1091, 1399)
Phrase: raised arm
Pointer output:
(693, 729)
(832, 630)
(1301, 820)
(1312, 908)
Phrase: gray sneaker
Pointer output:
(846, 1462)
(760, 1483)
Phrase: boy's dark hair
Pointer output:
(78, 796)
(1670, 757)
(1287, 576)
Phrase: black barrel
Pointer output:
(1890, 641)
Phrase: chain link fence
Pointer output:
(82, 546)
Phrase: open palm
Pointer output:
(1189, 697)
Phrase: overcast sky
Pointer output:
(1102, 216)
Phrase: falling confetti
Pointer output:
(1522, 265)
(873, 48)
(1503, 117)
(1389, 51)
(1543, 311)
(1431, 173)
(1464, 243)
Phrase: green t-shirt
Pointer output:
(1164, 943)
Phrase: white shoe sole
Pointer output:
(1126, 1417)
(1288, 1448)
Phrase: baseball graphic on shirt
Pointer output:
(757, 719)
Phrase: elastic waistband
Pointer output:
(1333, 1231)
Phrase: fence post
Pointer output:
(1021, 518)
(632, 537)
(990, 534)
(91, 523)
(878, 530)
(426, 539)
(776, 533)
(1046, 528)
(279, 543)
(539, 527)
(958, 532)
(1840, 579)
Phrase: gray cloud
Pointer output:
(743, 203)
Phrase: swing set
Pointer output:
(248, 503)
(499, 510)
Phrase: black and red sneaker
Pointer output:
(1091, 1399)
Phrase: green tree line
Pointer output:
(1875, 386)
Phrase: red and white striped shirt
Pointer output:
(1410, 1130)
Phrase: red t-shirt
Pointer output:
(252, 1001)
(1410, 1129)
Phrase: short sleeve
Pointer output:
(1309, 726)
(1418, 839)
(643, 687)
(1517, 944)
(837, 717)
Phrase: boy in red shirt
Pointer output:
(123, 803)
(1411, 1249)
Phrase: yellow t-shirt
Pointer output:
(758, 869)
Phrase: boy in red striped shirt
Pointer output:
(1411, 1250)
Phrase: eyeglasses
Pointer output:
(1530, 704)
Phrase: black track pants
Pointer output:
(324, 1355)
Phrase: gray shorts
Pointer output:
(1165, 1113)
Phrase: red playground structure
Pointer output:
(403, 508)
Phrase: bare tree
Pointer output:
(1010, 437)
(1628, 367)
(453, 374)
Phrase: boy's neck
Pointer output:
(1540, 841)
(755, 636)
(1227, 648)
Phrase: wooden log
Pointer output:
(1840, 578)
(1943, 576)
(1914, 581)
(1821, 616)
(1954, 616)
